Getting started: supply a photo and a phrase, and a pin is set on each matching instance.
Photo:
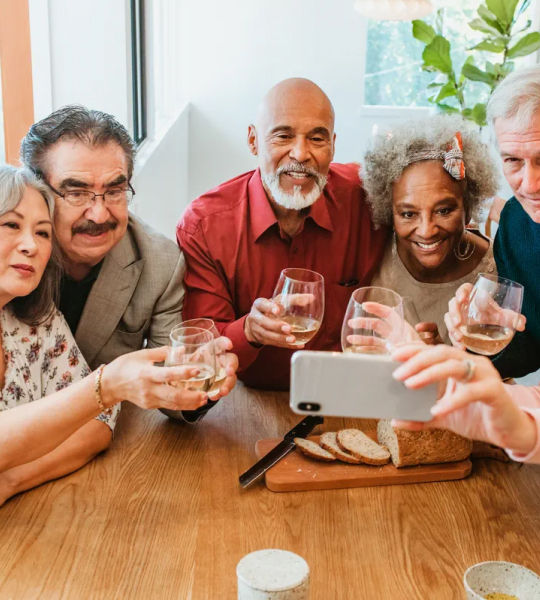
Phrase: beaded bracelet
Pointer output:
(97, 390)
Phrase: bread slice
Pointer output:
(329, 442)
(430, 446)
(361, 446)
(313, 450)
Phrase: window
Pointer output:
(393, 74)
(138, 71)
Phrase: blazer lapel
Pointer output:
(109, 298)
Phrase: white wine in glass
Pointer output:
(193, 347)
(373, 322)
(209, 325)
(300, 292)
(491, 314)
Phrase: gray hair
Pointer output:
(391, 151)
(91, 127)
(517, 97)
(37, 306)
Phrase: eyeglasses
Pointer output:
(112, 197)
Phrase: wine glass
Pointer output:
(209, 325)
(373, 322)
(194, 347)
(300, 292)
(491, 314)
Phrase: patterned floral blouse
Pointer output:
(40, 360)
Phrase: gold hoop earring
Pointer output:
(468, 251)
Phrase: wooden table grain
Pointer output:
(161, 515)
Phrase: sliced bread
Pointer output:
(361, 446)
(313, 450)
(430, 446)
(329, 442)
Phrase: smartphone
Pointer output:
(355, 385)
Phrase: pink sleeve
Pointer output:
(534, 454)
(524, 396)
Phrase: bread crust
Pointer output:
(430, 446)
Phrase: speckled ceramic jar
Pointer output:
(273, 575)
(502, 577)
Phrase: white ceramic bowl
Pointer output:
(503, 577)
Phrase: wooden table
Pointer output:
(161, 515)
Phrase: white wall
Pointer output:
(238, 50)
(161, 178)
(89, 58)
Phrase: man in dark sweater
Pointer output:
(514, 113)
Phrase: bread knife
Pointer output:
(303, 429)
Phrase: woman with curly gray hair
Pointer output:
(427, 179)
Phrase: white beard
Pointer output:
(297, 200)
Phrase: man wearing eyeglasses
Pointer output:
(122, 286)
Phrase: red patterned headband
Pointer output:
(452, 157)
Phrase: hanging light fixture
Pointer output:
(393, 10)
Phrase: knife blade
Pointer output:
(303, 429)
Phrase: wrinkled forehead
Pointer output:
(69, 157)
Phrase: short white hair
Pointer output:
(516, 98)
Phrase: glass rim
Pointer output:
(497, 279)
(376, 287)
(197, 332)
(194, 320)
(319, 277)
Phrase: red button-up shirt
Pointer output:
(235, 251)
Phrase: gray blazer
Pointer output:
(136, 299)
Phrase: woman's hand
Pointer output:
(135, 377)
(475, 403)
(429, 333)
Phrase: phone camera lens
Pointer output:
(309, 406)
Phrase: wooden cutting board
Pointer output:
(296, 472)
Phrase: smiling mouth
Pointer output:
(431, 246)
(297, 175)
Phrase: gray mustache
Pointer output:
(91, 228)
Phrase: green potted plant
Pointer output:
(502, 35)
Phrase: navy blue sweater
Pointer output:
(517, 254)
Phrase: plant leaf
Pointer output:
(446, 108)
(475, 74)
(524, 6)
(495, 46)
(478, 114)
(436, 55)
(423, 31)
(481, 25)
(526, 45)
(447, 90)
(503, 10)
(489, 18)
(434, 85)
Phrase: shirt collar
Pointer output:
(262, 216)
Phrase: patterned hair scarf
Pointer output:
(452, 157)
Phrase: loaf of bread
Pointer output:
(426, 447)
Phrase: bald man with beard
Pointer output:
(297, 209)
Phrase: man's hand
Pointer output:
(429, 333)
(263, 325)
(494, 314)
(229, 363)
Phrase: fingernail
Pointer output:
(437, 409)
(399, 373)
(291, 339)
(286, 329)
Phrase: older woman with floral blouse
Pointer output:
(46, 390)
